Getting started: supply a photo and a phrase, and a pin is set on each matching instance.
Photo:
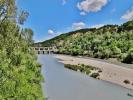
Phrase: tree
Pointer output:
(20, 74)
(128, 58)
(27, 34)
(22, 17)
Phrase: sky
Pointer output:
(49, 18)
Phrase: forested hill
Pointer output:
(55, 40)
(109, 41)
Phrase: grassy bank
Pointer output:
(88, 70)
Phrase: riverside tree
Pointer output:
(20, 77)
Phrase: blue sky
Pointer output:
(49, 18)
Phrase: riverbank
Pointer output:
(110, 72)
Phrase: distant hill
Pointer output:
(53, 41)
(109, 41)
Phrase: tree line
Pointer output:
(109, 41)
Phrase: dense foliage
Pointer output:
(20, 77)
(109, 41)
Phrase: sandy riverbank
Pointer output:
(110, 72)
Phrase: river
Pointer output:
(63, 84)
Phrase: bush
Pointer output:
(88, 72)
(126, 81)
(128, 58)
(94, 75)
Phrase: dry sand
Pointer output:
(110, 72)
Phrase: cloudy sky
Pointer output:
(49, 18)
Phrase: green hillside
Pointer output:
(109, 41)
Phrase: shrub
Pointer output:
(126, 81)
(94, 75)
(88, 72)
(128, 58)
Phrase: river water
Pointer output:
(63, 84)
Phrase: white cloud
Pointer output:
(128, 15)
(97, 26)
(91, 5)
(82, 13)
(79, 25)
(50, 32)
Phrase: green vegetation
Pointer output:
(109, 41)
(20, 77)
(88, 70)
(95, 75)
